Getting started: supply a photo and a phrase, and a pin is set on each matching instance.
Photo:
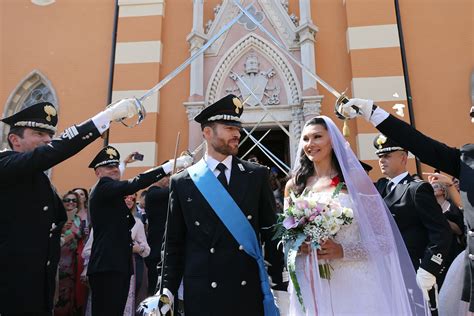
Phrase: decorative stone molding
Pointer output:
(193, 109)
(279, 62)
(226, 12)
(296, 127)
(311, 106)
(196, 40)
(282, 23)
(277, 15)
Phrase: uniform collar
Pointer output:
(212, 162)
(399, 178)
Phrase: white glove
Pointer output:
(182, 162)
(124, 108)
(365, 108)
(425, 281)
(166, 303)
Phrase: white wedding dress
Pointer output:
(350, 291)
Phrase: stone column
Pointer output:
(195, 135)
(311, 106)
(196, 40)
(307, 31)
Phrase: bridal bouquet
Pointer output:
(312, 218)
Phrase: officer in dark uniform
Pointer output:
(110, 264)
(414, 207)
(458, 162)
(219, 277)
(32, 213)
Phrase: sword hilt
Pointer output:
(339, 110)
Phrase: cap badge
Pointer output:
(381, 140)
(111, 152)
(238, 105)
(50, 111)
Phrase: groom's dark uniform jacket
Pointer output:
(220, 278)
(454, 161)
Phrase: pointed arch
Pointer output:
(236, 51)
(35, 87)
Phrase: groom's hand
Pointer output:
(330, 250)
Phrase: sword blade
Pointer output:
(188, 61)
(286, 52)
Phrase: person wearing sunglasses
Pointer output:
(67, 268)
(34, 150)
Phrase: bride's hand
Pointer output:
(305, 248)
(330, 250)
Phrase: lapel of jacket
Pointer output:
(238, 185)
(399, 191)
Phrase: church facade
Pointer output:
(83, 55)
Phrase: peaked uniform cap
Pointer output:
(41, 115)
(225, 111)
(106, 156)
(385, 145)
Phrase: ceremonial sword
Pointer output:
(341, 98)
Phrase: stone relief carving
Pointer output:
(276, 58)
(257, 81)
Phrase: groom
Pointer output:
(220, 276)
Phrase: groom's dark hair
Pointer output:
(306, 168)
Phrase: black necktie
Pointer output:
(389, 187)
(221, 177)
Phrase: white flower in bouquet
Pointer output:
(334, 228)
(348, 212)
(336, 211)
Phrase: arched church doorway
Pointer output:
(275, 141)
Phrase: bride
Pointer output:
(371, 271)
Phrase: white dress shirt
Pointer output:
(212, 164)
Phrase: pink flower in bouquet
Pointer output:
(302, 204)
(290, 222)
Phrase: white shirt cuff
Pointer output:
(122, 167)
(167, 167)
(378, 116)
(101, 121)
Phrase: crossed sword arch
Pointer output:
(341, 98)
(257, 142)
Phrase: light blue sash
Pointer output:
(236, 222)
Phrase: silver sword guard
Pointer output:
(339, 109)
(141, 113)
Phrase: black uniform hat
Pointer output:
(38, 116)
(106, 156)
(366, 166)
(225, 111)
(385, 145)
